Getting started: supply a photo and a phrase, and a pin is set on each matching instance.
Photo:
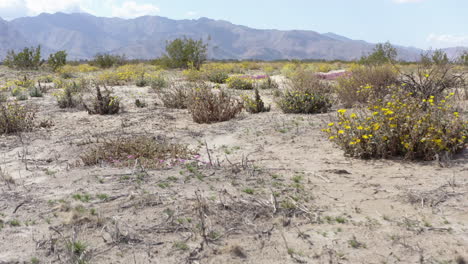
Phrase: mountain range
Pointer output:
(83, 35)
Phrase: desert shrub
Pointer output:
(35, 92)
(289, 69)
(217, 76)
(353, 89)
(382, 54)
(255, 105)
(140, 103)
(15, 118)
(185, 53)
(142, 82)
(176, 95)
(158, 82)
(150, 152)
(105, 61)
(29, 58)
(104, 103)
(267, 83)
(432, 77)
(57, 60)
(404, 126)
(194, 75)
(208, 106)
(3, 97)
(68, 96)
(240, 82)
(46, 79)
(305, 94)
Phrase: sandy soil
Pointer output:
(277, 192)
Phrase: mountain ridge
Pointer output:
(83, 35)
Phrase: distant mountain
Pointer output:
(84, 35)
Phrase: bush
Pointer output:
(403, 126)
(432, 78)
(255, 105)
(35, 92)
(105, 61)
(57, 60)
(142, 82)
(240, 82)
(158, 82)
(104, 103)
(15, 118)
(267, 83)
(176, 95)
(217, 76)
(150, 152)
(306, 94)
(185, 53)
(28, 59)
(382, 54)
(69, 94)
(207, 106)
(354, 89)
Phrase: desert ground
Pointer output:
(260, 188)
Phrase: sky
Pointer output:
(418, 23)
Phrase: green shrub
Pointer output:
(185, 53)
(240, 82)
(404, 126)
(217, 76)
(354, 89)
(28, 59)
(305, 94)
(35, 92)
(105, 61)
(104, 103)
(69, 94)
(142, 82)
(158, 82)
(15, 118)
(57, 60)
(267, 83)
(254, 105)
(207, 106)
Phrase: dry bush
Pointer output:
(15, 118)
(403, 126)
(217, 76)
(208, 106)
(305, 94)
(104, 103)
(150, 152)
(255, 105)
(351, 90)
(432, 80)
(69, 95)
(176, 95)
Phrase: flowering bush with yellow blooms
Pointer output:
(403, 126)
(15, 118)
(129, 73)
(241, 82)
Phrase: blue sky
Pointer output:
(419, 23)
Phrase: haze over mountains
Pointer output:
(83, 35)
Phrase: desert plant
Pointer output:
(255, 105)
(186, 52)
(142, 82)
(208, 106)
(403, 126)
(158, 82)
(353, 89)
(105, 61)
(140, 103)
(217, 76)
(267, 83)
(35, 92)
(104, 103)
(57, 60)
(305, 94)
(382, 54)
(29, 58)
(15, 118)
(176, 95)
(150, 152)
(69, 94)
(240, 82)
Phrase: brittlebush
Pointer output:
(403, 126)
